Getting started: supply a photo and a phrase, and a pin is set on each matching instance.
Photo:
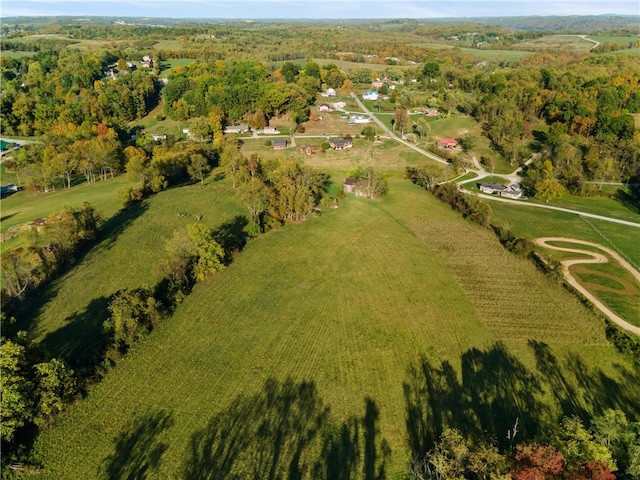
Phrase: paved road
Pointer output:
(513, 177)
(550, 207)
(594, 257)
(392, 135)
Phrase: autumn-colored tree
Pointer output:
(198, 167)
(537, 462)
(401, 120)
(254, 194)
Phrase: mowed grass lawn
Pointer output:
(536, 222)
(345, 301)
(28, 205)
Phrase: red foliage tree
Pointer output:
(593, 470)
(537, 462)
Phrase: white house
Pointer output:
(370, 95)
(236, 129)
(331, 92)
(339, 105)
(359, 119)
(511, 191)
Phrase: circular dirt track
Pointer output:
(593, 257)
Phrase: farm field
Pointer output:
(486, 54)
(346, 66)
(557, 42)
(331, 314)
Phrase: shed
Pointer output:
(349, 185)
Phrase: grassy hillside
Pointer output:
(345, 302)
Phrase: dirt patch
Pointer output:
(593, 257)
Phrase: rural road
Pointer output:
(559, 209)
(432, 156)
(513, 177)
(594, 257)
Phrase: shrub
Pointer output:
(129, 195)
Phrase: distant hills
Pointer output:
(547, 23)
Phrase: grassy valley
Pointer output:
(347, 301)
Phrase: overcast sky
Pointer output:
(339, 9)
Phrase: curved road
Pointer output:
(594, 258)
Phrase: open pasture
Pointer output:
(28, 205)
(625, 40)
(68, 317)
(574, 43)
(485, 53)
(340, 305)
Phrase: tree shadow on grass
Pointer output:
(80, 342)
(232, 237)
(495, 389)
(285, 432)
(138, 449)
(118, 224)
(29, 309)
(630, 200)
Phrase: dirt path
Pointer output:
(594, 257)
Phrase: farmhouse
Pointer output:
(370, 95)
(330, 92)
(431, 112)
(157, 137)
(447, 143)
(349, 185)
(344, 144)
(269, 131)
(339, 105)
(324, 108)
(511, 191)
(377, 83)
(236, 129)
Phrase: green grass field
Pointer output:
(485, 54)
(16, 54)
(27, 205)
(536, 222)
(557, 42)
(346, 301)
(613, 39)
